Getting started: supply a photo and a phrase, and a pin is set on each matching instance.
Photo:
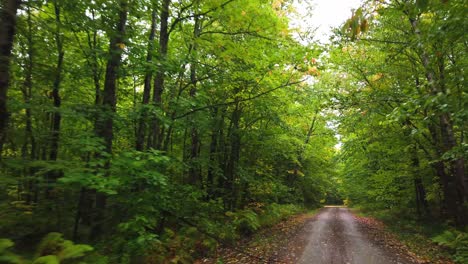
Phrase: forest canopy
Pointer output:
(155, 130)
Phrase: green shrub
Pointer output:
(53, 249)
(249, 220)
(274, 213)
(245, 221)
(182, 246)
(6, 256)
(457, 242)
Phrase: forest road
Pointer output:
(334, 237)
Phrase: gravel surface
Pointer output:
(335, 237)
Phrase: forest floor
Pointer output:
(332, 235)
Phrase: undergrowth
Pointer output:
(182, 243)
(53, 249)
(202, 238)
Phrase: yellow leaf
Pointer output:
(277, 4)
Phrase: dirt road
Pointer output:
(331, 236)
(335, 238)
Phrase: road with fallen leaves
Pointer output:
(332, 235)
(335, 238)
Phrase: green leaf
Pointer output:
(422, 4)
(75, 251)
(49, 259)
(5, 244)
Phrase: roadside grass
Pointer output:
(265, 234)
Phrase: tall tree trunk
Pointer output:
(7, 33)
(86, 198)
(156, 137)
(449, 205)
(222, 153)
(194, 171)
(234, 155)
(141, 131)
(168, 137)
(104, 125)
(210, 184)
(448, 133)
(456, 169)
(56, 116)
(27, 91)
(93, 63)
(422, 206)
(457, 165)
(27, 95)
(453, 182)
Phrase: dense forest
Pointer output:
(153, 131)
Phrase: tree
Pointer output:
(7, 33)
(105, 122)
(131, 122)
(403, 78)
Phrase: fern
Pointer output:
(246, 221)
(53, 249)
(456, 241)
(49, 259)
(55, 245)
(5, 255)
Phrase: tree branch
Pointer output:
(288, 83)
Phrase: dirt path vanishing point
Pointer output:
(334, 237)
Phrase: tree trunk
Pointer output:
(457, 170)
(104, 125)
(94, 64)
(422, 206)
(86, 197)
(453, 179)
(213, 154)
(457, 164)
(449, 200)
(56, 116)
(27, 96)
(156, 137)
(7, 33)
(140, 137)
(174, 99)
(234, 155)
(194, 171)
(222, 154)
